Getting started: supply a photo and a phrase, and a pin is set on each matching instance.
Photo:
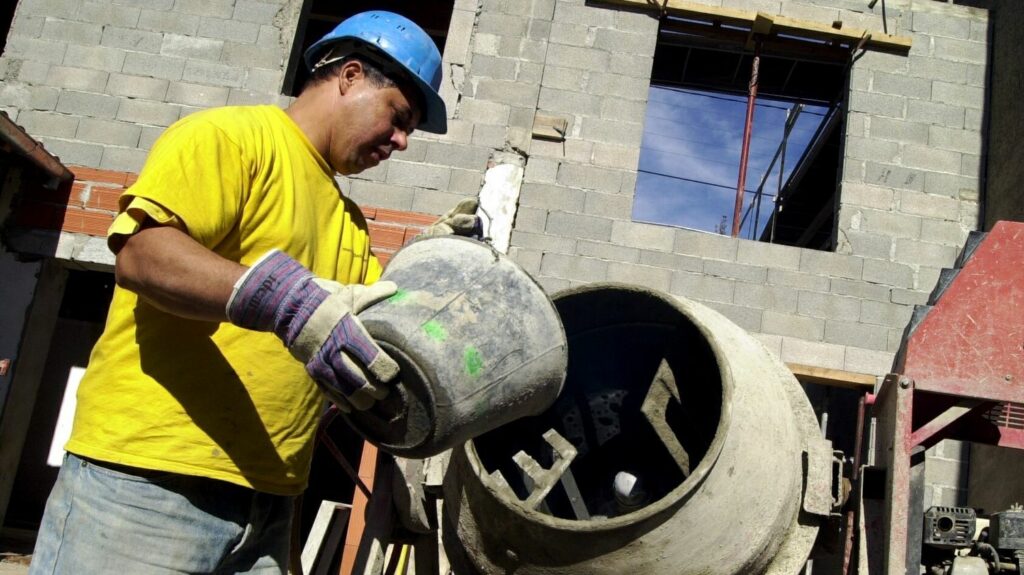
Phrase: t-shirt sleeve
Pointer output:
(196, 177)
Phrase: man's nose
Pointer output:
(400, 139)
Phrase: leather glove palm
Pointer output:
(315, 318)
(460, 220)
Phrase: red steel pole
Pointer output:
(747, 129)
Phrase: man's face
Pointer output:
(375, 123)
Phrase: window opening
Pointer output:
(690, 157)
(321, 16)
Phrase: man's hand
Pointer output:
(460, 220)
(316, 320)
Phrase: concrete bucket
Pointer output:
(678, 446)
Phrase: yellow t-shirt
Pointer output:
(212, 399)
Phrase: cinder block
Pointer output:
(568, 79)
(493, 137)
(37, 50)
(38, 124)
(966, 141)
(891, 224)
(639, 21)
(945, 233)
(132, 39)
(958, 95)
(221, 29)
(647, 276)
(833, 265)
(575, 57)
(872, 149)
(589, 177)
(860, 289)
(621, 133)
(613, 40)
(898, 130)
(258, 12)
(154, 66)
(730, 270)
(569, 34)
(249, 56)
(877, 104)
(550, 197)
(266, 81)
(26, 71)
(531, 220)
(898, 177)
(418, 175)
(931, 159)
(148, 136)
(542, 170)
(606, 251)
(945, 472)
(828, 306)
(866, 244)
(457, 155)
(885, 83)
(565, 101)
(237, 97)
(607, 205)
(367, 193)
(574, 267)
(867, 196)
(543, 242)
(494, 67)
(146, 112)
(960, 50)
(528, 260)
(701, 287)
(501, 24)
(924, 253)
(213, 74)
(109, 132)
(483, 112)
(636, 65)
(579, 226)
(136, 87)
(816, 353)
(553, 285)
(211, 8)
(182, 46)
(856, 334)
(587, 15)
(643, 236)
(169, 22)
(745, 317)
(928, 206)
(763, 297)
(869, 361)
(670, 261)
(909, 297)
(486, 44)
(42, 98)
(618, 86)
(107, 13)
(512, 93)
(87, 104)
(885, 314)
(942, 114)
(786, 324)
(771, 255)
(619, 110)
(888, 273)
(197, 95)
(72, 32)
(941, 25)
(705, 245)
(82, 79)
(932, 68)
(123, 159)
(71, 152)
(970, 165)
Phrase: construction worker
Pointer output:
(194, 424)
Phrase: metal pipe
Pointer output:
(747, 129)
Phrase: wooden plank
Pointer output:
(324, 536)
(782, 24)
(832, 377)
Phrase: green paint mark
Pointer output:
(474, 362)
(400, 296)
(435, 330)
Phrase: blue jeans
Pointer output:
(108, 519)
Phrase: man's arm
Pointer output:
(175, 273)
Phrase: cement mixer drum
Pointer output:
(679, 446)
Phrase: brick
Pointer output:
(581, 58)
(860, 289)
(893, 176)
(82, 79)
(701, 287)
(900, 85)
(877, 104)
(942, 114)
(108, 132)
(543, 242)
(565, 101)
(169, 22)
(705, 245)
(931, 159)
(132, 39)
(106, 13)
(928, 206)
(197, 95)
(418, 175)
(760, 296)
(95, 57)
(828, 306)
(39, 124)
(958, 95)
(213, 74)
(872, 362)
(589, 177)
(212, 8)
(898, 130)
(258, 12)
(606, 251)
(621, 133)
(181, 46)
(154, 66)
(552, 197)
(87, 104)
(647, 276)
(82, 33)
(574, 267)
(147, 112)
(117, 158)
(645, 236)
(136, 87)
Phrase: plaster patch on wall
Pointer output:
(499, 197)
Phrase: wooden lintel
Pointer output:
(780, 24)
(832, 377)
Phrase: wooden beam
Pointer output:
(780, 24)
(832, 377)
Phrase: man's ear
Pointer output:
(349, 74)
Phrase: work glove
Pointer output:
(315, 318)
(460, 220)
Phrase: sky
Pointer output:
(690, 156)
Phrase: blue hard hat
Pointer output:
(386, 39)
